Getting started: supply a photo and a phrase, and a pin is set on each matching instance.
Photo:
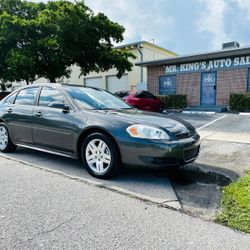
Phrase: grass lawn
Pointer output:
(235, 205)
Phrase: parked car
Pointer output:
(95, 126)
(142, 100)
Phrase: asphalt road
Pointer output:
(43, 210)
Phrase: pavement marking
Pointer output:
(175, 205)
(220, 118)
(245, 113)
(199, 112)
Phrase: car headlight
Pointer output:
(147, 132)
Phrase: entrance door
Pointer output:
(208, 89)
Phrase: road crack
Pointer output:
(45, 232)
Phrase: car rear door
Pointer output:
(53, 128)
(18, 116)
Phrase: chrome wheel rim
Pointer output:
(3, 138)
(98, 156)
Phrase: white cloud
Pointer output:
(213, 21)
(244, 5)
(139, 18)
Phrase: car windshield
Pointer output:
(92, 98)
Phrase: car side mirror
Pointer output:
(59, 105)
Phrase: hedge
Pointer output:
(174, 101)
(235, 205)
(239, 102)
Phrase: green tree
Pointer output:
(45, 40)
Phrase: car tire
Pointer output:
(161, 108)
(100, 156)
(6, 144)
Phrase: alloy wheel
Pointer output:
(98, 156)
(3, 138)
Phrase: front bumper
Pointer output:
(153, 153)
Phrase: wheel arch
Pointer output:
(92, 130)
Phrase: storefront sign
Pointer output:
(209, 65)
(167, 85)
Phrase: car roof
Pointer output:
(56, 85)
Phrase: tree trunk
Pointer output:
(27, 82)
(52, 79)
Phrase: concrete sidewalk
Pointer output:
(225, 136)
(225, 151)
(43, 210)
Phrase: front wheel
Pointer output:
(100, 156)
(6, 144)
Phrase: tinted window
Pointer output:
(10, 99)
(144, 94)
(49, 95)
(122, 94)
(27, 96)
(91, 98)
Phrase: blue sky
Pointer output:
(183, 26)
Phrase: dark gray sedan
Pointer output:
(95, 126)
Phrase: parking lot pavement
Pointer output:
(218, 122)
(225, 140)
(142, 183)
(42, 210)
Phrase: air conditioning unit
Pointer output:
(230, 45)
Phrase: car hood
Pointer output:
(169, 122)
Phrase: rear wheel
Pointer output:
(6, 144)
(100, 156)
(161, 108)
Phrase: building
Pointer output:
(107, 80)
(206, 78)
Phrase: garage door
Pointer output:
(115, 84)
(93, 82)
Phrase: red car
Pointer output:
(142, 100)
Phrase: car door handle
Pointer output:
(39, 114)
(10, 110)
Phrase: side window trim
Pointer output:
(53, 88)
(11, 95)
(34, 102)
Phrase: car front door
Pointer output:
(18, 115)
(53, 127)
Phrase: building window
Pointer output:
(248, 81)
(167, 85)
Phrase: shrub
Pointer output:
(239, 102)
(174, 101)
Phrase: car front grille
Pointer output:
(191, 154)
(182, 136)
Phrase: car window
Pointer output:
(10, 99)
(140, 95)
(27, 96)
(91, 98)
(144, 94)
(122, 94)
(49, 95)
